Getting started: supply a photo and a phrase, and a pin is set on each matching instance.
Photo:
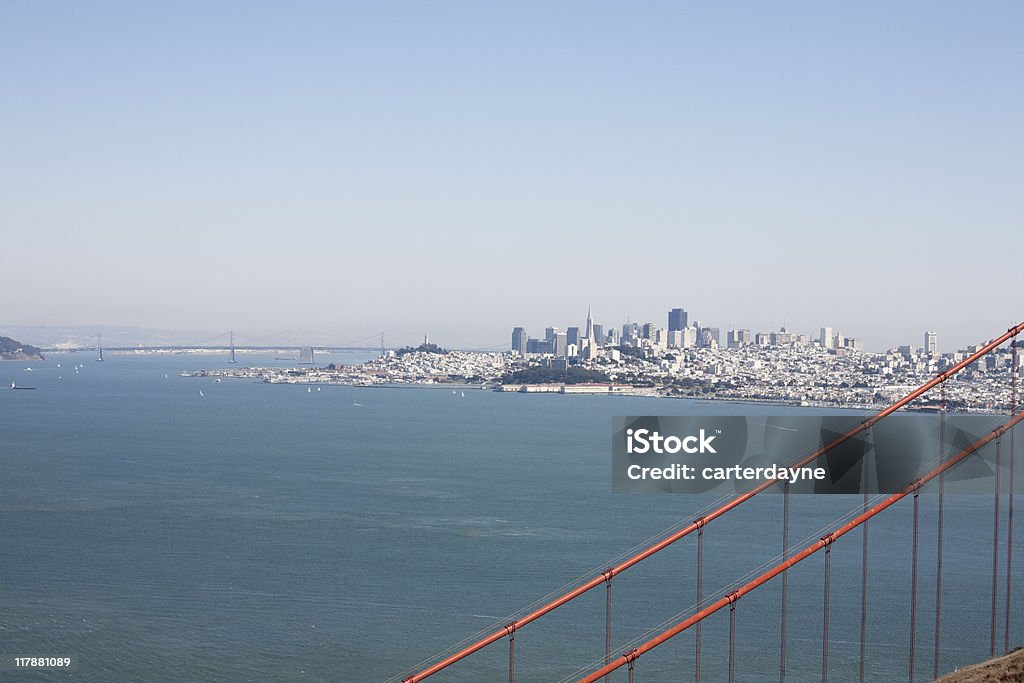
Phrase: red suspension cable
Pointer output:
(714, 514)
(803, 554)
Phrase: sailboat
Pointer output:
(201, 393)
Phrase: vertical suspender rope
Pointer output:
(732, 638)
(700, 597)
(511, 628)
(913, 586)
(864, 568)
(939, 523)
(825, 617)
(608, 619)
(995, 551)
(1009, 520)
(785, 582)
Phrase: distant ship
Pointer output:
(15, 386)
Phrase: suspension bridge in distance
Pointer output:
(225, 342)
(627, 657)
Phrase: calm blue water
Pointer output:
(267, 533)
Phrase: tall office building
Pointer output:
(826, 338)
(598, 331)
(689, 338)
(572, 335)
(739, 338)
(931, 343)
(589, 331)
(677, 319)
(648, 331)
(708, 337)
(519, 340)
(561, 345)
(550, 333)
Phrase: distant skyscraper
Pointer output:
(561, 345)
(519, 340)
(539, 346)
(689, 337)
(598, 332)
(550, 333)
(648, 331)
(709, 337)
(677, 319)
(739, 338)
(588, 333)
(931, 343)
(826, 337)
(572, 335)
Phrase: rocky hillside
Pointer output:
(11, 349)
(1006, 669)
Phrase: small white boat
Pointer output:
(201, 393)
(308, 390)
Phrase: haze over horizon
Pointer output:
(458, 169)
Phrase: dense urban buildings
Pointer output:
(781, 366)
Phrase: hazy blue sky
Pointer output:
(462, 167)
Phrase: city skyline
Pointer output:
(701, 331)
(335, 169)
(84, 334)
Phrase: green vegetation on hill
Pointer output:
(542, 375)
(424, 348)
(12, 349)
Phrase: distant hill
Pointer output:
(12, 349)
(1003, 669)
